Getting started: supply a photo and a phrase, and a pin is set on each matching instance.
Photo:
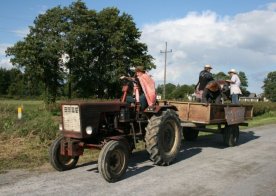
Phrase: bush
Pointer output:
(260, 108)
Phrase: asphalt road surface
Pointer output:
(204, 167)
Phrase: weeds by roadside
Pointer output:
(24, 143)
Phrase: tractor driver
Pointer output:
(146, 88)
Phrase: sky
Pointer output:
(226, 34)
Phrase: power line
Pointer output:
(165, 69)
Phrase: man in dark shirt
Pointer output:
(205, 76)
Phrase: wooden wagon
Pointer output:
(226, 117)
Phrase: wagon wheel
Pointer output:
(163, 137)
(231, 135)
(190, 134)
(113, 160)
(58, 161)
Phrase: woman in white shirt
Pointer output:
(235, 83)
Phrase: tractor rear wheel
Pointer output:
(58, 161)
(163, 137)
(231, 135)
(113, 160)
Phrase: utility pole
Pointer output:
(165, 69)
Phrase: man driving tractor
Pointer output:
(145, 86)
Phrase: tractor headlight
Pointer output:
(60, 127)
(89, 130)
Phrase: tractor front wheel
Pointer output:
(113, 160)
(58, 161)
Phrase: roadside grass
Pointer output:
(22, 152)
(267, 118)
(24, 143)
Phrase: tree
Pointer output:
(12, 83)
(39, 53)
(176, 91)
(169, 89)
(270, 86)
(4, 81)
(102, 46)
(182, 91)
(220, 76)
(119, 49)
(17, 85)
(244, 83)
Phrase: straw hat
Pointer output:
(208, 66)
(140, 68)
(232, 71)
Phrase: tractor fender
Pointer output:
(156, 109)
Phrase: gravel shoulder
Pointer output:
(204, 167)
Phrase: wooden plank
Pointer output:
(234, 115)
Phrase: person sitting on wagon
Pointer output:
(146, 88)
(212, 93)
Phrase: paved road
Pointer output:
(204, 167)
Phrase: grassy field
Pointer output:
(25, 143)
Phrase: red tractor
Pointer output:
(114, 127)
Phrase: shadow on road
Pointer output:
(139, 161)
(188, 150)
(247, 137)
(88, 163)
(216, 140)
(136, 164)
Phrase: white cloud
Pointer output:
(5, 63)
(246, 42)
(3, 48)
(21, 32)
(271, 6)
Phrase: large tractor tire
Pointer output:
(190, 134)
(113, 160)
(231, 135)
(163, 137)
(61, 162)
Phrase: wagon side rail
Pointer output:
(211, 114)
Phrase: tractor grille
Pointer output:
(71, 118)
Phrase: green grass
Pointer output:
(25, 143)
(267, 118)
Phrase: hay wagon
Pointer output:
(225, 118)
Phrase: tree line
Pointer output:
(15, 83)
(99, 48)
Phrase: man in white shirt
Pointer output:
(235, 83)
